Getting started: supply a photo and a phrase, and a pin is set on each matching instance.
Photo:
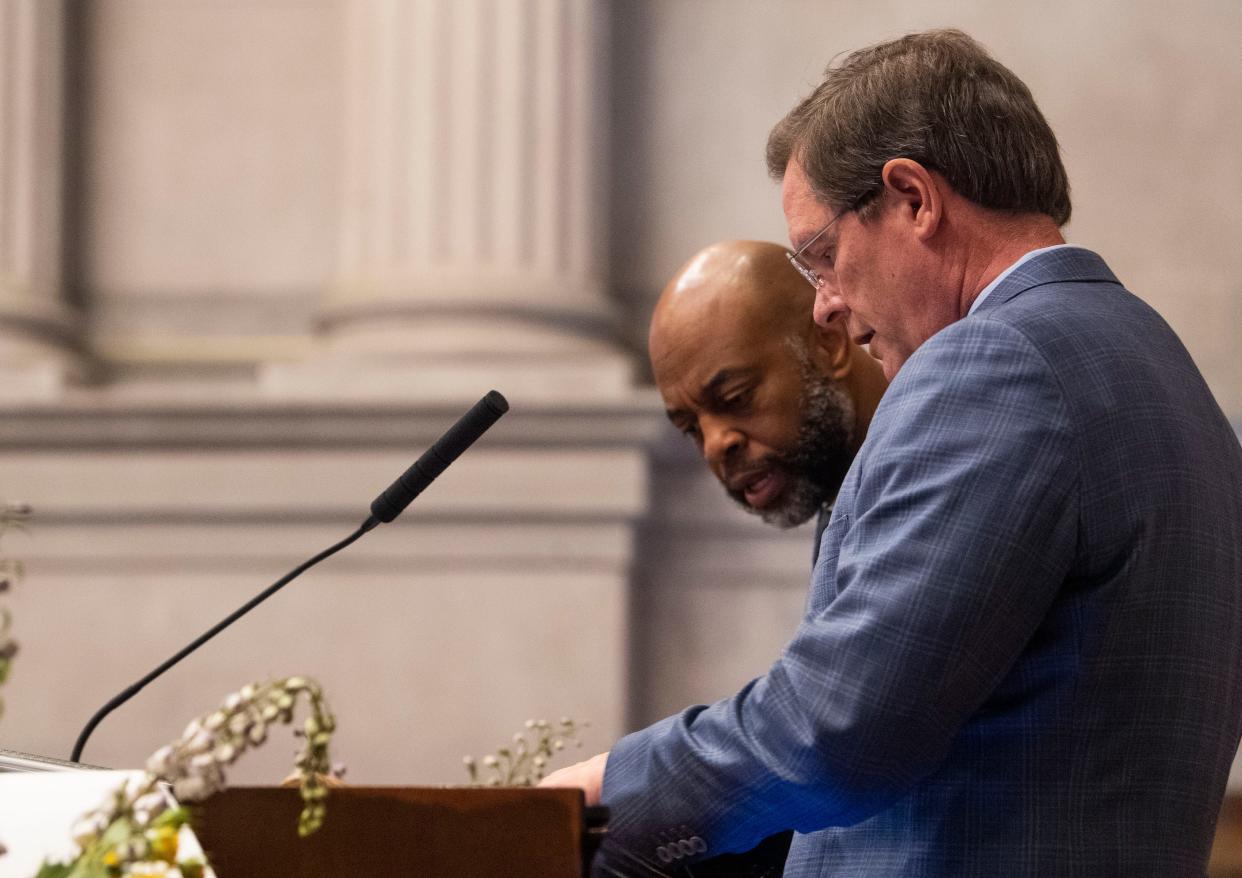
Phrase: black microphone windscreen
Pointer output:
(436, 459)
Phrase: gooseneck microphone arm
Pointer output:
(207, 635)
(387, 506)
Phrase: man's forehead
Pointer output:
(694, 359)
(805, 214)
(725, 329)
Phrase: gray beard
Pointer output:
(820, 457)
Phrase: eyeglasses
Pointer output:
(795, 259)
(811, 275)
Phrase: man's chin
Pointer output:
(784, 516)
(778, 512)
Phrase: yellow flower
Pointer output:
(164, 843)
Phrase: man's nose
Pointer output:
(719, 440)
(829, 306)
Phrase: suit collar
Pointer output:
(1063, 265)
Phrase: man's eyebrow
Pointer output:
(675, 415)
(714, 385)
(821, 239)
(825, 237)
(711, 391)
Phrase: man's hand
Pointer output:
(588, 776)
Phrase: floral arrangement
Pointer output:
(524, 763)
(13, 516)
(135, 833)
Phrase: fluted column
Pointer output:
(39, 331)
(471, 222)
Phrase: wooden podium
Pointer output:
(423, 831)
(459, 833)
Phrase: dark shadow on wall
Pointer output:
(77, 127)
(631, 86)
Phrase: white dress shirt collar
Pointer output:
(1008, 271)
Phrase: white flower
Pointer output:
(192, 788)
(200, 743)
(239, 723)
(158, 763)
(87, 830)
(149, 807)
(203, 761)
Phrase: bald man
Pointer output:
(776, 404)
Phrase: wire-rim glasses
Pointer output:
(795, 258)
(811, 275)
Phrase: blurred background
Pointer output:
(255, 255)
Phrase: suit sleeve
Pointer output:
(961, 532)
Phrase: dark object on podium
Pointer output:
(765, 860)
(423, 831)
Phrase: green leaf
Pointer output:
(174, 817)
(91, 870)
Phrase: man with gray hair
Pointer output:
(1022, 652)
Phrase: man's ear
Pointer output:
(830, 349)
(916, 191)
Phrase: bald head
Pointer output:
(748, 284)
(776, 404)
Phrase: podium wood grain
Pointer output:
(391, 831)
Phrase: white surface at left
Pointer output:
(38, 811)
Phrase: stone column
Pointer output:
(39, 330)
(471, 225)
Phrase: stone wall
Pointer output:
(255, 255)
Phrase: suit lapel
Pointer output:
(1064, 265)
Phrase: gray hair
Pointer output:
(940, 99)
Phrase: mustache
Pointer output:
(736, 470)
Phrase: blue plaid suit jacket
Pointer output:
(1022, 650)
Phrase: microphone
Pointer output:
(437, 458)
(387, 506)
